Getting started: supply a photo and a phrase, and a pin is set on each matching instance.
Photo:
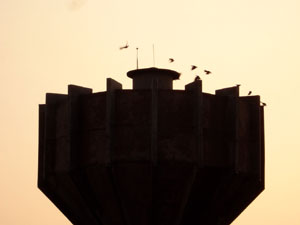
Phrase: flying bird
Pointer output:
(171, 60)
(193, 67)
(207, 72)
(125, 46)
(197, 78)
(250, 92)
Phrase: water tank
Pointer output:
(151, 155)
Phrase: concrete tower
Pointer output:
(151, 155)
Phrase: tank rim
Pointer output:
(133, 73)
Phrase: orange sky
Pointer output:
(46, 45)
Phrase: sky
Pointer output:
(47, 44)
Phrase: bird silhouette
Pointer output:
(193, 67)
(250, 92)
(197, 78)
(263, 104)
(125, 46)
(238, 85)
(171, 60)
(179, 76)
(207, 72)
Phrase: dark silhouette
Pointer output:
(178, 77)
(171, 60)
(263, 103)
(193, 67)
(137, 57)
(151, 155)
(250, 92)
(207, 72)
(238, 85)
(125, 46)
(197, 78)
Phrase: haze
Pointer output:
(46, 45)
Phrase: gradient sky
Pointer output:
(47, 44)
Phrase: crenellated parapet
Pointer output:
(151, 155)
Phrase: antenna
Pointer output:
(153, 55)
(137, 58)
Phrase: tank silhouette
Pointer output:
(151, 155)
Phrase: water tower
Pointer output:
(151, 155)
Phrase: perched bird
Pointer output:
(207, 72)
(193, 67)
(250, 92)
(179, 76)
(171, 60)
(238, 85)
(123, 47)
(263, 104)
(197, 78)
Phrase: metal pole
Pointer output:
(137, 58)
